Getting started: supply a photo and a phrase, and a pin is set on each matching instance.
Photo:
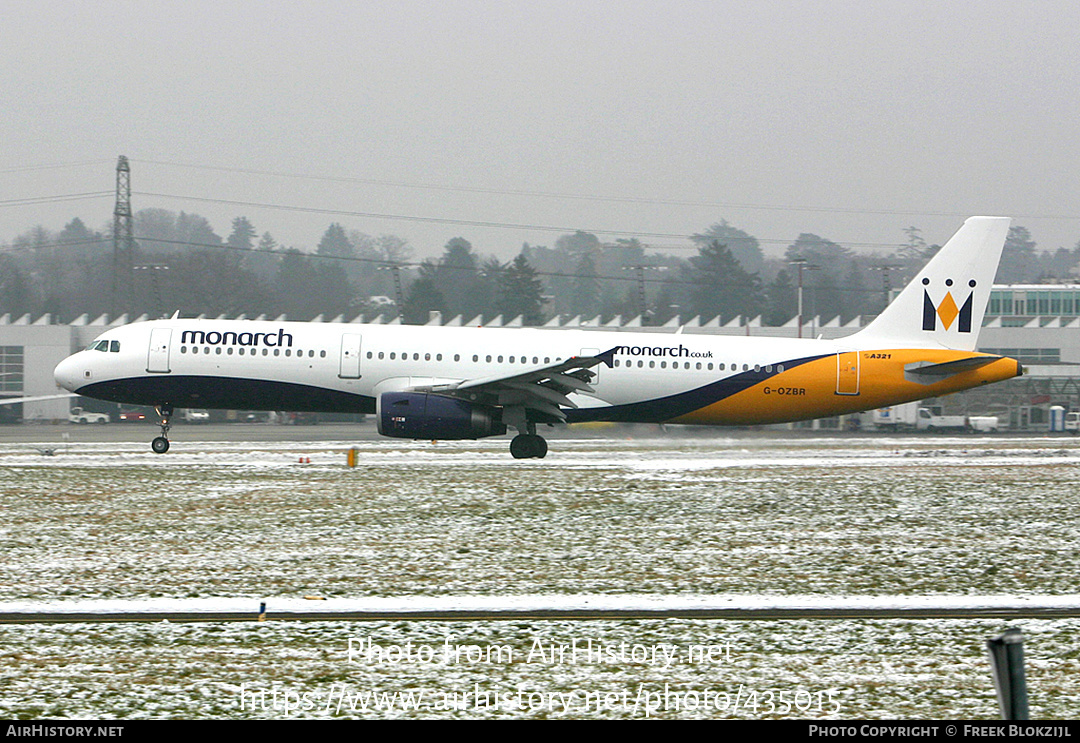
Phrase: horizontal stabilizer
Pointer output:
(927, 372)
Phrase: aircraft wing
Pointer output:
(17, 400)
(543, 389)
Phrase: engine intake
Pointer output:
(421, 415)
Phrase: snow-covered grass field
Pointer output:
(780, 516)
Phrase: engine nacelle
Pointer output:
(420, 415)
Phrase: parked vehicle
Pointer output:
(196, 415)
(1072, 422)
(78, 415)
(930, 420)
(897, 417)
(984, 423)
(132, 415)
(922, 418)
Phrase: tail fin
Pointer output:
(944, 304)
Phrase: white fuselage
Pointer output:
(344, 368)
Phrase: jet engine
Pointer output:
(421, 415)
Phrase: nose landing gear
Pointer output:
(160, 445)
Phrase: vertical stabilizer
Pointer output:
(944, 304)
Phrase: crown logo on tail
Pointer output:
(946, 311)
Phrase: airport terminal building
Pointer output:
(1037, 324)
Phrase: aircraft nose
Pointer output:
(68, 373)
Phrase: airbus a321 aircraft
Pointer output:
(467, 383)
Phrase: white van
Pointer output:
(1072, 422)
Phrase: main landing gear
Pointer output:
(528, 445)
(160, 445)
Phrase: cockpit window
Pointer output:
(107, 346)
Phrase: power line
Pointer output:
(470, 222)
(618, 199)
(54, 199)
(52, 166)
(410, 218)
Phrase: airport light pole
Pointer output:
(802, 265)
(643, 306)
(886, 285)
(153, 268)
(399, 294)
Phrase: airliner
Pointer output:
(425, 382)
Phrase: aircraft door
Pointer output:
(847, 373)
(158, 358)
(595, 369)
(350, 356)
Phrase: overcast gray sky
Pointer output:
(847, 118)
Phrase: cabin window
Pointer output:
(266, 352)
(500, 359)
(488, 358)
(369, 354)
(416, 357)
(710, 366)
(779, 367)
(322, 355)
(547, 359)
(757, 368)
(699, 365)
(663, 365)
(183, 349)
(652, 364)
(427, 357)
(277, 351)
(511, 359)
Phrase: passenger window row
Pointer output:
(699, 366)
(241, 351)
(498, 359)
